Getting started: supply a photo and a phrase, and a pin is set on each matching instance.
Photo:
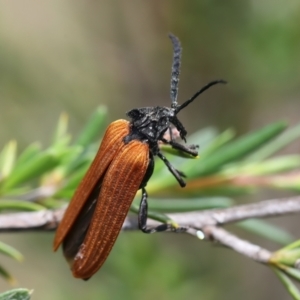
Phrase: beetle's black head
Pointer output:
(150, 123)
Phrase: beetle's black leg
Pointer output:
(143, 215)
(181, 173)
(191, 149)
(143, 211)
(177, 174)
(178, 125)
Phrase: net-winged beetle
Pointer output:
(123, 164)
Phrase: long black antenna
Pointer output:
(175, 69)
(206, 87)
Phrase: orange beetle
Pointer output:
(123, 165)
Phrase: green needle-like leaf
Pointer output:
(68, 189)
(266, 230)
(270, 166)
(61, 129)
(189, 204)
(5, 274)
(294, 273)
(277, 144)
(286, 257)
(10, 251)
(293, 245)
(19, 205)
(203, 137)
(34, 168)
(236, 150)
(29, 153)
(79, 161)
(94, 128)
(287, 282)
(7, 158)
(16, 294)
(218, 142)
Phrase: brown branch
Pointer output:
(48, 219)
(262, 209)
(201, 224)
(241, 246)
(31, 221)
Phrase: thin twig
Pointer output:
(31, 221)
(262, 209)
(202, 224)
(48, 219)
(237, 244)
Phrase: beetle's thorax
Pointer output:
(150, 123)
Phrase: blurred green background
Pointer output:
(72, 56)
